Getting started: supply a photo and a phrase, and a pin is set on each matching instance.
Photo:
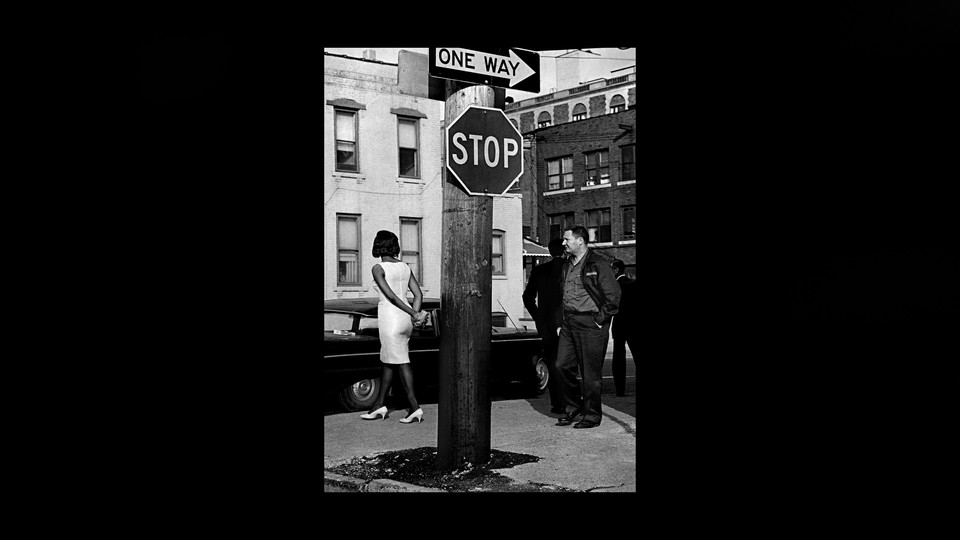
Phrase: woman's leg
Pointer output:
(406, 377)
(386, 377)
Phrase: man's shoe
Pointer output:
(584, 424)
(568, 419)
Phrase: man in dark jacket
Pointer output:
(591, 297)
(623, 327)
(541, 298)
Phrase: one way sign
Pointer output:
(505, 67)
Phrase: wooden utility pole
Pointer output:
(463, 423)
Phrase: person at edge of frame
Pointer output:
(622, 326)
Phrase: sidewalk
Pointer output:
(598, 459)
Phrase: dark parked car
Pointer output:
(351, 352)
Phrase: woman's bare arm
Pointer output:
(417, 293)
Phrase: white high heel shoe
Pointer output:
(415, 415)
(382, 412)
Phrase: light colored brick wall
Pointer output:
(377, 192)
(381, 197)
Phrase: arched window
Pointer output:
(617, 104)
(543, 120)
(579, 112)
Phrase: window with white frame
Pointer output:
(560, 173)
(629, 224)
(345, 134)
(408, 136)
(410, 246)
(628, 165)
(496, 258)
(617, 104)
(597, 167)
(579, 112)
(543, 120)
(598, 225)
(348, 249)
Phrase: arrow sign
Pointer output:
(503, 67)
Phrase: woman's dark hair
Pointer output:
(386, 243)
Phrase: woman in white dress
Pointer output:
(395, 320)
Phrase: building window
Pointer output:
(560, 173)
(410, 246)
(543, 120)
(496, 258)
(580, 112)
(348, 249)
(617, 104)
(408, 135)
(345, 133)
(628, 166)
(598, 225)
(558, 223)
(629, 223)
(598, 168)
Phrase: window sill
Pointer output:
(340, 289)
(626, 182)
(627, 242)
(600, 244)
(558, 192)
(597, 186)
(340, 176)
(500, 276)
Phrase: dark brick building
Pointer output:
(585, 173)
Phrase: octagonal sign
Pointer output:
(484, 151)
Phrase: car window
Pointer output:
(368, 322)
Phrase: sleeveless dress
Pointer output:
(394, 324)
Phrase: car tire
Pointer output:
(360, 395)
(541, 374)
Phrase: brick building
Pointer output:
(586, 174)
(586, 102)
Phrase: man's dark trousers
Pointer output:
(582, 346)
(622, 336)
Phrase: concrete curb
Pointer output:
(338, 483)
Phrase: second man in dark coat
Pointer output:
(542, 300)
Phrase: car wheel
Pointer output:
(360, 395)
(542, 373)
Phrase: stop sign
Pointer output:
(484, 151)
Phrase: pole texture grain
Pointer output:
(463, 422)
